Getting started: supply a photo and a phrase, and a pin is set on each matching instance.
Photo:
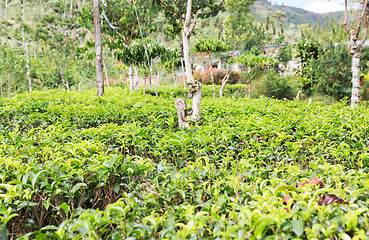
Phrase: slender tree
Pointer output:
(194, 86)
(355, 49)
(98, 50)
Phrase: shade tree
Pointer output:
(356, 42)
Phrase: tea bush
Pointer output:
(76, 166)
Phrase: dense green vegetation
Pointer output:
(77, 166)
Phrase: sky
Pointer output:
(319, 6)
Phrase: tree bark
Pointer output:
(137, 80)
(355, 49)
(181, 112)
(65, 83)
(144, 90)
(224, 82)
(71, 9)
(211, 74)
(106, 73)
(195, 87)
(130, 76)
(355, 94)
(28, 72)
(183, 71)
(97, 31)
(174, 78)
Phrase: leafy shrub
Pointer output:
(274, 85)
(78, 166)
(219, 74)
(326, 70)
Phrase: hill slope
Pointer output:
(262, 8)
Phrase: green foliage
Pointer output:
(210, 46)
(175, 11)
(274, 85)
(140, 52)
(326, 69)
(171, 59)
(219, 74)
(232, 91)
(78, 166)
(285, 55)
(257, 61)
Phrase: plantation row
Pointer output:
(77, 166)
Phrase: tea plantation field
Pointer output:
(75, 166)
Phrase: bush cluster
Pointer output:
(218, 74)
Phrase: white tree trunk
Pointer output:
(183, 78)
(71, 9)
(98, 50)
(130, 76)
(211, 74)
(136, 83)
(28, 73)
(174, 78)
(181, 112)
(355, 68)
(106, 73)
(355, 94)
(224, 82)
(194, 86)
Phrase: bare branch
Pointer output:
(363, 16)
(346, 18)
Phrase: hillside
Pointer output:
(262, 8)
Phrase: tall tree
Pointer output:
(355, 49)
(123, 23)
(194, 86)
(98, 50)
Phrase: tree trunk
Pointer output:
(355, 94)
(224, 82)
(136, 83)
(194, 86)
(181, 112)
(106, 73)
(211, 74)
(97, 31)
(28, 69)
(174, 78)
(71, 9)
(23, 12)
(183, 78)
(130, 76)
(66, 84)
(28, 72)
(144, 91)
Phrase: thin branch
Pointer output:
(363, 15)
(346, 19)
